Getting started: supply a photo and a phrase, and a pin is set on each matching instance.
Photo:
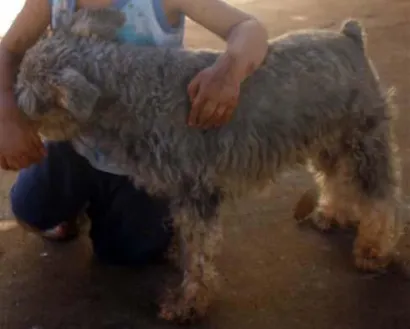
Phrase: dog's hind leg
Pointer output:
(325, 207)
(199, 229)
(375, 175)
(359, 184)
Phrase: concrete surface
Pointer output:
(275, 274)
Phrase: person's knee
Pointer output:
(51, 192)
(23, 211)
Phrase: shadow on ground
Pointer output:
(274, 275)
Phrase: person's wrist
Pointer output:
(234, 66)
(8, 105)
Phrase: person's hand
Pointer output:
(20, 145)
(214, 94)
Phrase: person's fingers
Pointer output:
(13, 163)
(227, 115)
(193, 87)
(25, 159)
(40, 145)
(196, 108)
(206, 115)
(38, 148)
(217, 118)
(31, 158)
(3, 163)
(230, 108)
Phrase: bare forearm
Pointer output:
(8, 66)
(27, 27)
(214, 91)
(247, 45)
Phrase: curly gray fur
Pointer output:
(316, 98)
(146, 90)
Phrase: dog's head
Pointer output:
(59, 97)
(58, 100)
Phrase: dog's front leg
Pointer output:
(200, 234)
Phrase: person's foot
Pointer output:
(63, 232)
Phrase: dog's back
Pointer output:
(314, 85)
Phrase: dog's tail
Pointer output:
(354, 30)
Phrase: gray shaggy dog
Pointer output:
(315, 101)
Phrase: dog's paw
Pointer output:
(369, 258)
(305, 206)
(184, 306)
(179, 313)
(321, 221)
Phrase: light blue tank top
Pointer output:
(146, 24)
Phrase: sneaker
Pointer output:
(63, 232)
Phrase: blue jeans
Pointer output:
(127, 225)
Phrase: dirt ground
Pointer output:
(275, 274)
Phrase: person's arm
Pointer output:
(26, 29)
(20, 144)
(215, 91)
(30, 23)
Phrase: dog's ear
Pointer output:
(76, 93)
(101, 22)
